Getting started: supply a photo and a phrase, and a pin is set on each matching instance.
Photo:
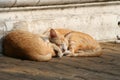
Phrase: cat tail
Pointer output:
(88, 53)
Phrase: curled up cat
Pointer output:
(74, 43)
(26, 45)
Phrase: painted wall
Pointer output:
(100, 20)
(23, 3)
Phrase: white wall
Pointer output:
(101, 22)
(24, 3)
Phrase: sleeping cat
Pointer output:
(26, 45)
(78, 43)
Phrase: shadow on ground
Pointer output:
(106, 67)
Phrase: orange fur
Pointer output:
(25, 45)
(78, 43)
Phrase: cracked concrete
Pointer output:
(105, 67)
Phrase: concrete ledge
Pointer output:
(59, 6)
(24, 3)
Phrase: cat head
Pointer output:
(58, 39)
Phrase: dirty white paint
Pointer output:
(101, 22)
(21, 3)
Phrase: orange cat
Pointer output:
(78, 43)
(26, 45)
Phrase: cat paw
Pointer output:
(67, 53)
(60, 55)
(72, 55)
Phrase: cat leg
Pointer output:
(72, 48)
(67, 52)
(38, 57)
(56, 48)
(84, 53)
(80, 53)
(74, 54)
(71, 52)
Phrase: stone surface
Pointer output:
(7, 3)
(106, 67)
(22, 3)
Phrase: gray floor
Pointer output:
(106, 67)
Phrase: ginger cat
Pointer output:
(78, 43)
(26, 45)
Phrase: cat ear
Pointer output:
(53, 33)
